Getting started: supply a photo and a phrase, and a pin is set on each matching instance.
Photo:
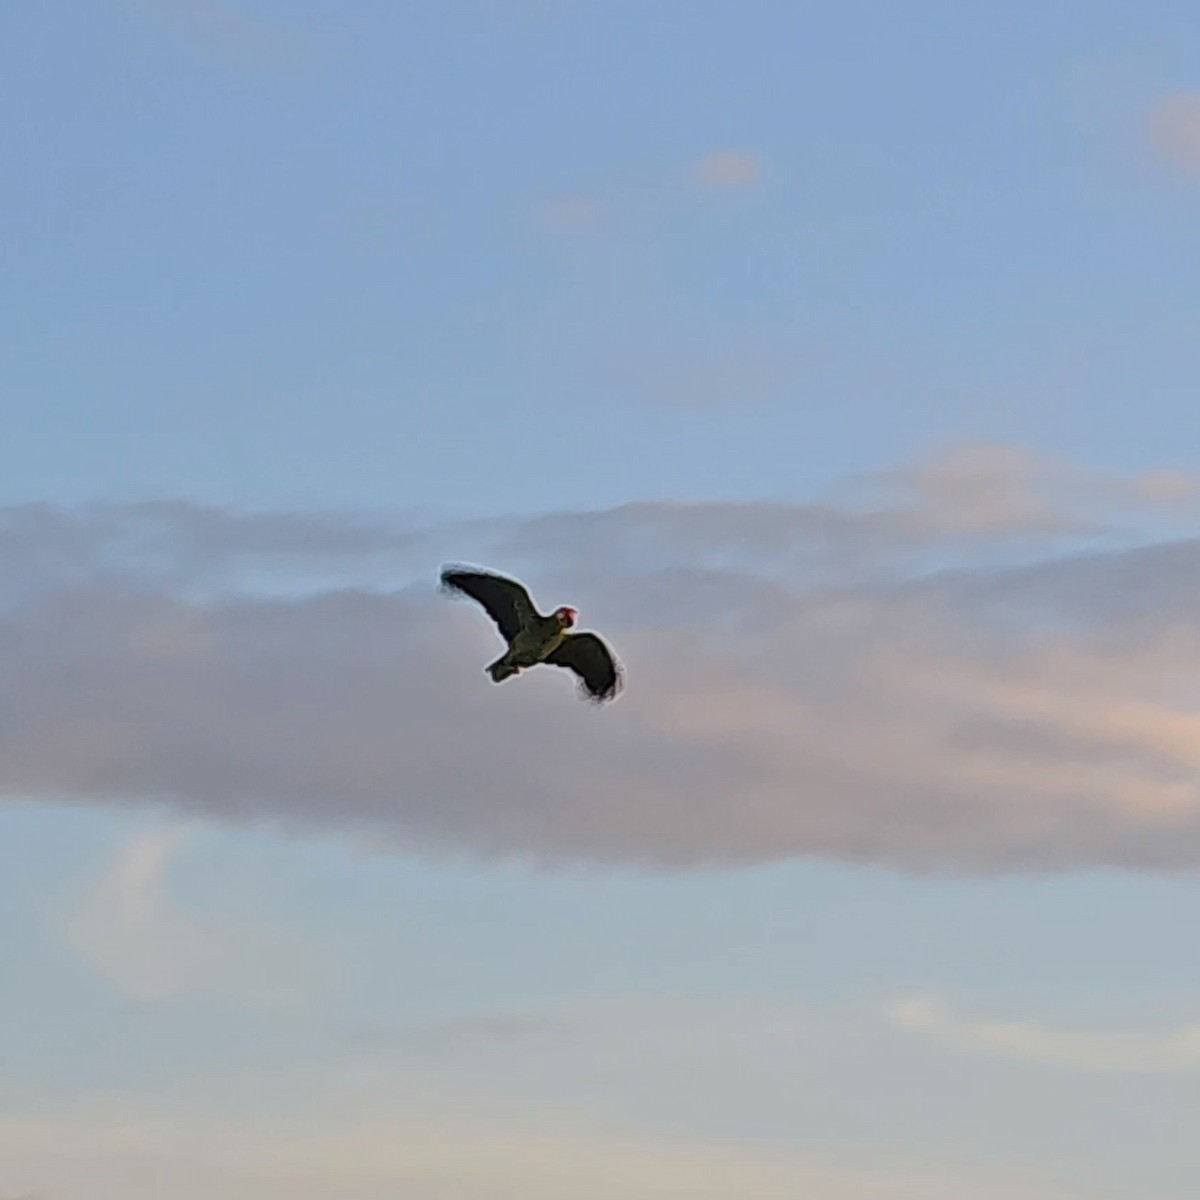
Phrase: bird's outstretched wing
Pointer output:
(592, 661)
(506, 601)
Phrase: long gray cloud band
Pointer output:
(986, 669)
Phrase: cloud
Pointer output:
(601, 1095)
(1174, 127)
(978, 666)
(1129, 1050)
(637, 203)
(470, 1033)
(572, 213)
(130, 931)
(986, 488)
(729, 169)
(705, 381)
(1166, 487)
(225, 32)
(109, 1155)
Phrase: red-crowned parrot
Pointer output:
(533, 638)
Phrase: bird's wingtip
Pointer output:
(449, 570)
(608, 694)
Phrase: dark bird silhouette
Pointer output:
(533, 638)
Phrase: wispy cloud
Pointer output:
(729, 169)
(642, 199)
(1086, 1049)
(131, 931)
(469, 1033)
(707, 380)
(572, 213)
(986, 488)
(226, 32)
(979, 666)
(1174, 127)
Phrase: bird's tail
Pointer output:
(501, 669)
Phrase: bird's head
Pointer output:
(565, 616)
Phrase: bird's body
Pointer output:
(533, 638)
(532, 645)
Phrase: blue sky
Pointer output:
(241, 239)
(837, 362)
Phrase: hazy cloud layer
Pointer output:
(640, 1095)
(599, 1096)
(102, 1155)
(973, 663)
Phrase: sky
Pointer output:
(837, 362)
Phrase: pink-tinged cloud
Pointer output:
(974, 675)
(729, 169)
(1175, 129)
(228, 32)
(573, 213)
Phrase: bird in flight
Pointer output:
(533, 638)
